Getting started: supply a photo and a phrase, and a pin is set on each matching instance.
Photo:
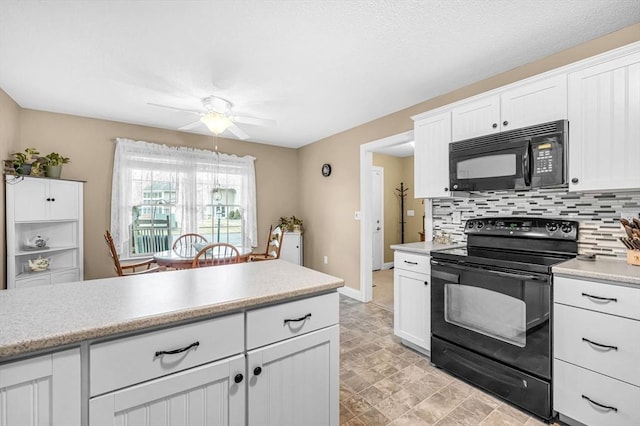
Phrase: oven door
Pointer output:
(502, 314)
(490, 166)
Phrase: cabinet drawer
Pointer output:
(572, 382)
(572, 325)
(597, 296)
(412, 262)
(123, 362)
(279, 322)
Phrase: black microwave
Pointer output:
(530, 157)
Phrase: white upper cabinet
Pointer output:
(535, 102)
(604, 119)
(45, 199)
(431, 156)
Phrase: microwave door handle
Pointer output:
(526, 164)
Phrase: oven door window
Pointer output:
(493, 314)
(489, 166)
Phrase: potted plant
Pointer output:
(291, 224)
(53, 164)
(22, 161)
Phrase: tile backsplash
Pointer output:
(598, 214)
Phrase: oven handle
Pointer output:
(515, 382)
(490, 271)
(526, 164)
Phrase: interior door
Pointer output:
(377, 179)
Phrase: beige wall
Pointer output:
(9, 136)
(396, 170)
(328, 205)
(289, 181)
(89, 144)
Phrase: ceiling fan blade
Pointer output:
(193, 111)
(191, 125)
(238, 132)
(255, 121)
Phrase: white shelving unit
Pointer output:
(50, 208)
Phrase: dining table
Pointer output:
(183, 258)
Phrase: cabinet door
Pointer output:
(66, 276)
(534, 103)
(431, 156)
(297, 383)
(41, 390)
(476, 118)
(206, 395)
(292, 248)
(30, 199)
(38, 278)
(64, 200)
(412, 307)
(604, 106)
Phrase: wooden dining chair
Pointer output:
(185, 243)
(274, 246)
(129, 268)
(216, 254)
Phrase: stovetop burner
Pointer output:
(519, 243)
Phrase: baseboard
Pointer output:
(387, 265)
(351, 292)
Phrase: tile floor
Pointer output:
(383, 288)
(382, 382)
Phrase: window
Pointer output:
(160, 193)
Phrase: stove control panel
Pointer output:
(524, 227)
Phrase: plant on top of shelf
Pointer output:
(291, 224)
(22, 161)
(53, 164)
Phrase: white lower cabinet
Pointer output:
(292, 248)
(44, 390)
(213, 394)
(596, 341)
(296, 381)
(412, 299)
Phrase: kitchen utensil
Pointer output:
(636, 233)
(636, 222)
(626, 244)
(625, 222)
(629, 231)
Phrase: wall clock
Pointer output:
(326, 169)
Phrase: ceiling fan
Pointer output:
(217, 115)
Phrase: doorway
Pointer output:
(366, 205)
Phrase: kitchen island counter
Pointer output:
(40, 318)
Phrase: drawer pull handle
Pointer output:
(410, 263)
(608, 407)
(615, 348)
(297, 319)
(608, 299)
(177, 351)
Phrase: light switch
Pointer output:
(411, 213)
(455, 217)
(356, 215)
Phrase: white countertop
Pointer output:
(601, 269)
(44, 317)
(423, 247)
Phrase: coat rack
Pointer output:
(402, 193)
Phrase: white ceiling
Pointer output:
(316, 67)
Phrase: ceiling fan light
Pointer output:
(216, 123)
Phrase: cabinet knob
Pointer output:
(257, 371)
(48, 199)
(53, 199)
(494, 125)
(426, 283)
(238, 378)
(574, 180)
(505, 123)
(446, 190)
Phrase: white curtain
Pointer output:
(191, 171)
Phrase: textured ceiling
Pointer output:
(316, 67)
